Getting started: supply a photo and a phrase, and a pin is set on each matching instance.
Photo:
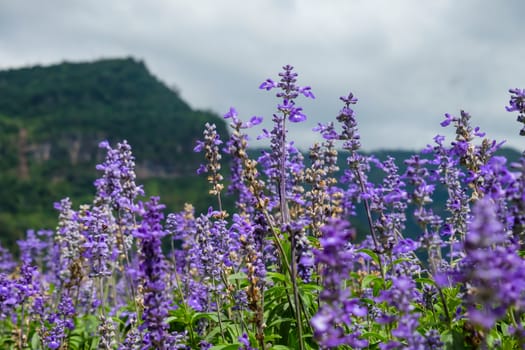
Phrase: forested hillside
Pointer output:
(52, 119)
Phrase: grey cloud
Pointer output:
(408, 61)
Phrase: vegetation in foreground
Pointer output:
(283, 270)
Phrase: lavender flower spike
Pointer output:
(517, 103)
(492, 268)
(333, 324)
(153, 277)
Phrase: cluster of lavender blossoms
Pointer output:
(294, 251)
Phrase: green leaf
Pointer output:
(237, 276)
(369, 279)
(212, 335)
(426, 280)
(453, 340)
(182, 315)
(310, 287)
(75, 341)
(279, 310)
(280, 320)
(234, 346)
(371, 254)
(171, 319)
(397, 261)
(234, 330)
(35, 341)
(212, 316)
(374, 336)
(271, 338)
(276, 276)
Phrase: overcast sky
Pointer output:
(408, 61)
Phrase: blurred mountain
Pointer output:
(52, 119)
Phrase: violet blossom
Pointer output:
(335, 324)
(492, 268)
(517, 103)
(153, 277)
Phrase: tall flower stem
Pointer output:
(219, 308)
(370, 221)
(285, 220)
(255, 189)
(219, 304)
(287, 265)
(351, 138)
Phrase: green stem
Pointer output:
(370, 221)
(297, 302)
(219, 308)
(21, 333)
(445, 307)
(285, 219)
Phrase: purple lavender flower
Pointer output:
(289, 92)
(106, 329)
(502, 186)
(16, 292)
(492, 268)
(243, 339)
(401, 296)
(61, 322)
(333, 324)
(68, 239)
(184, 228)
(416, 175)
(517, 103)
(251, 237)
(133, 339)
(450, 174)
(118, 182)
(236, 147)
(117, 189)
(283, 167)
(388, 203)
(100, 242)
(355, 175)
(281, 158)
(7, 263)
(324, 197)
(206, 257)
(515, 192)
(9, 297)
(359, 189)
(210, 145)
(153, 277)
(33, 249)
(349, 134)
(463, 149)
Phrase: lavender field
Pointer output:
(285, 269)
